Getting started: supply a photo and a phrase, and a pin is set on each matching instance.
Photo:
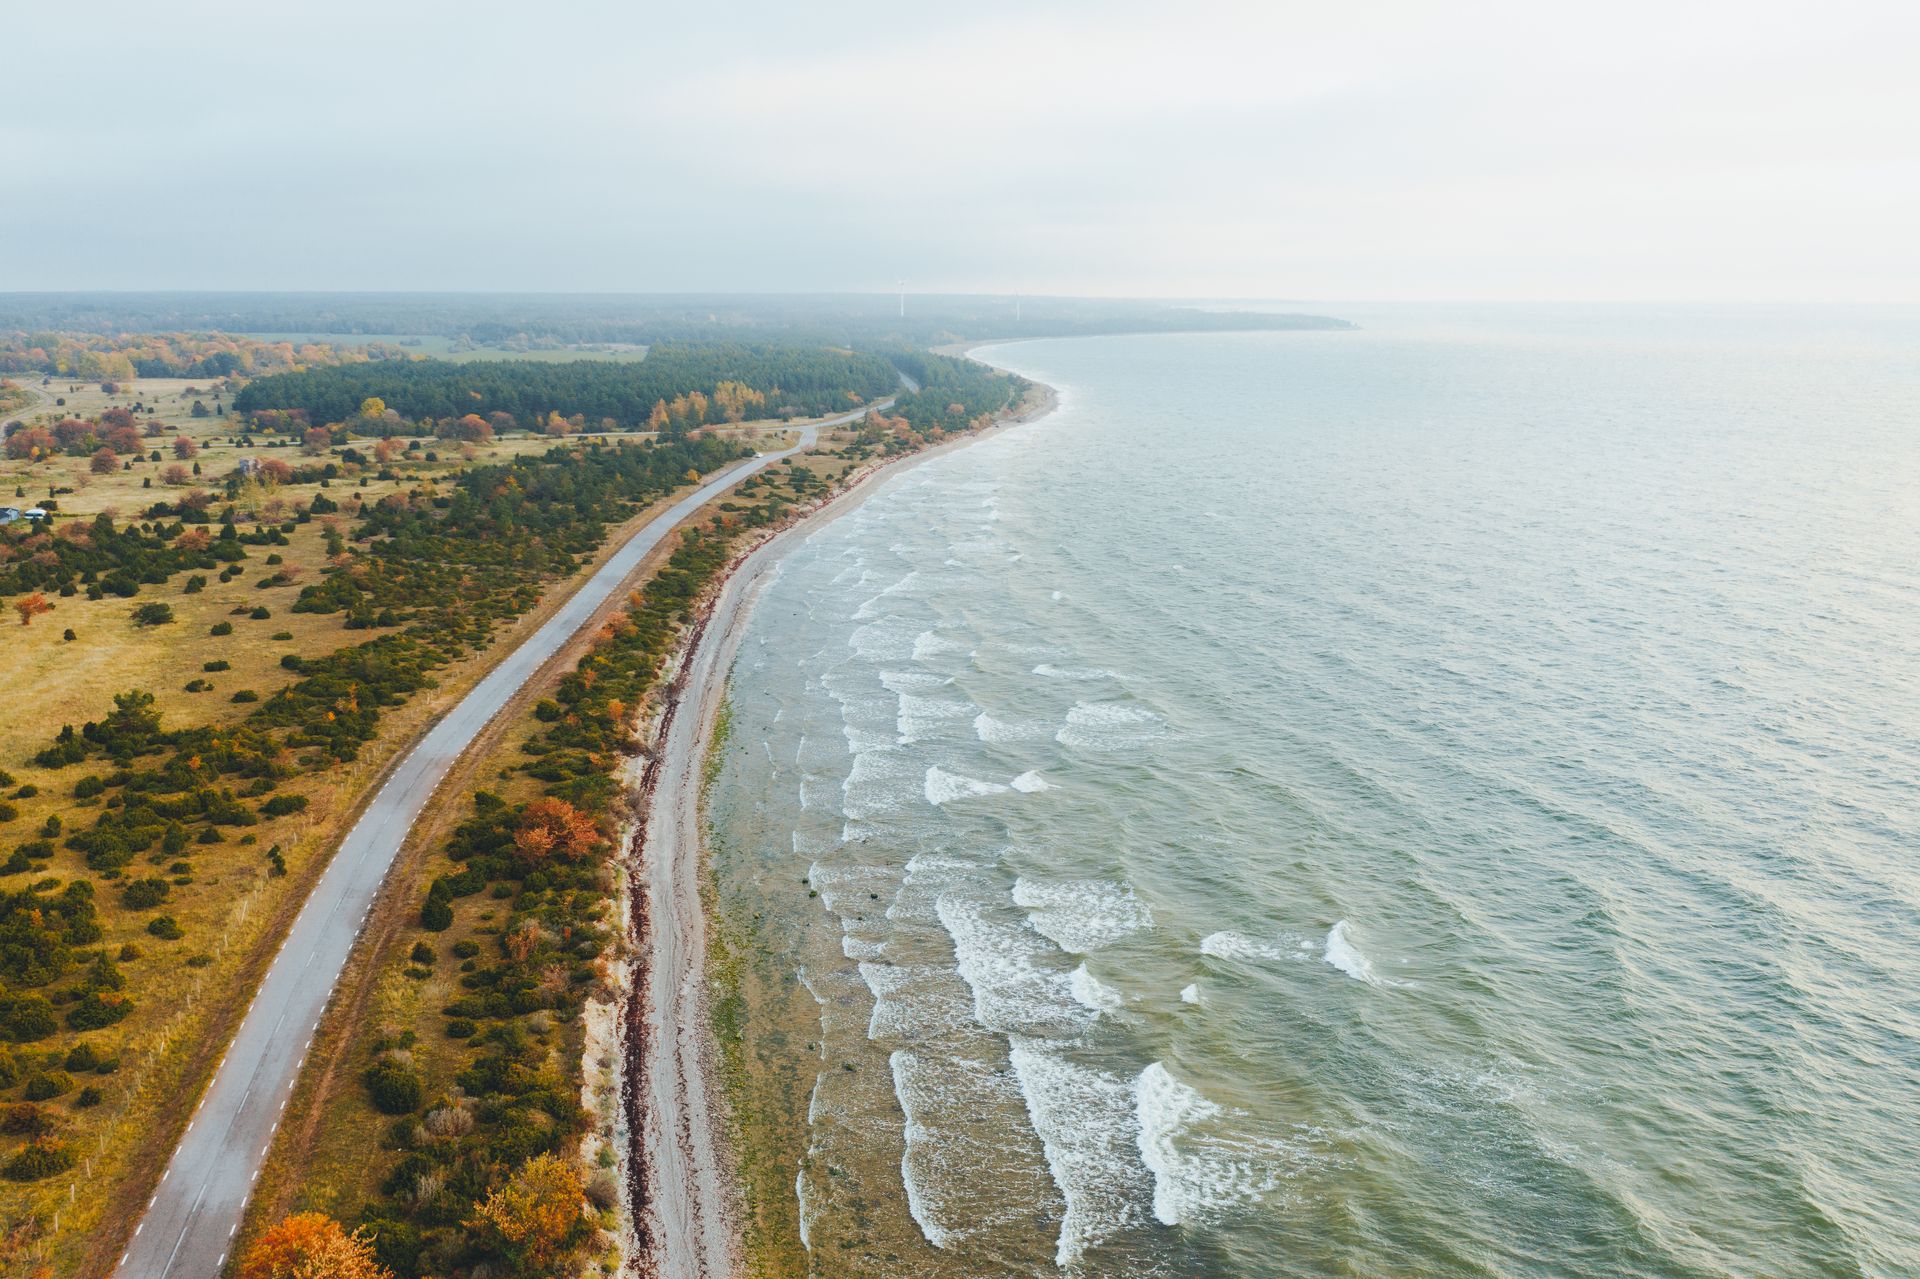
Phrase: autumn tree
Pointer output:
(31, 606)
(312, 1245)
(536, 1214)
(657, 420)
(473, 428)
(734, 399)
(185, 449)
(104, 462)
(373, 406)
(317, 440)
(34, 444)
(176, 474)
(552, 827)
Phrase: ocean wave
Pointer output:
(1031, 783)
(970, 1164)
(1109, 726)
(1201, 1163)
(991, 730)
(1092, 993)
(943, 787)
(1190, 994)
(929, 644)
(1343, 954)
(920, 715)
(887, 639)
(1001, 964)
(861, 947)
(881, 781)
(1049, 670)
(909, 1002)
(1240, 946)
(1080, 915)
(1084, 1118)
(913, 681)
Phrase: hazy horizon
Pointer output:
(1234, 151)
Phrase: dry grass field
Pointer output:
(119, 1118)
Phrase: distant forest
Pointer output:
(845, 319)
(806, 380)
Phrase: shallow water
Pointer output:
(1433, 800)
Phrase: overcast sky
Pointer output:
(1366, 149)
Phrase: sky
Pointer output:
(1688, 150)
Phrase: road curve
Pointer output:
(197, 1207)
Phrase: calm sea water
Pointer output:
(1435, 800)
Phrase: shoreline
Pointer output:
(686, 1191)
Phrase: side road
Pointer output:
(198, 1204)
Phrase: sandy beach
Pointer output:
(685, 1207)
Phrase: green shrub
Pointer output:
(466, 949)
(246, 695)
(38, 1159)
(97, 1010)
(82, 1057)
(395, 1088)
(166, 928)
(8, 811)
(222, 628)
(261, 614)
(48, 1084)
(29, 1121)
(89, 1096)
(282, 805)
(144, 894)
(217, 664)
(26, 1018)
(422, 953)
(153, 614)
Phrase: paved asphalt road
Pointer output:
(189, 1224)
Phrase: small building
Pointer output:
(8, 514)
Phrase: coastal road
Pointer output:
(189, 1225)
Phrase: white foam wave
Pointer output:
(918, 1153)
(1051, 671)
(1109, 726)
(920, 716)
(913, 681)
(861, 947)
(1343, 954)
(999, 961)
(943, 787)
(1085, 1123)
(1092, 993)
(1031, 783)
(989, 729)
(1232, 945)
(1200, 1159)
(929, 644)
(1080, 915)
(1190, 994)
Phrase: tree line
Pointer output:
(804, 380)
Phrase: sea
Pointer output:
(1439, 799)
